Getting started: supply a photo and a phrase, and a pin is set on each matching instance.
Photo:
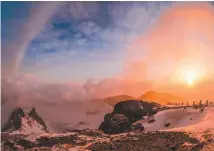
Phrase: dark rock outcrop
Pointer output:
(135, 110)
(14, 122)
(18, 116)
(125, 113)
(167, 124)
(36, 117)
(115, 123)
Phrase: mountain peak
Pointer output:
(14, 122)
(118, 98)
(36, 117)
(33, 111)
(23, 122)
(151, 92)
(160, 97)
(18, 111)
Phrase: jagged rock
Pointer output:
(35, 116)
(25, 122)
(14, 122)
(115, 123)
(135, 110)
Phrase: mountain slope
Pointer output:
(14, 122)
(118, 98)
(150, 96)
(36, 117)
(22, 122)
(162, 98)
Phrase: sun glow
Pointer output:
(191, 77)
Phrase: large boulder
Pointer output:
(134, 110)
(115, 124)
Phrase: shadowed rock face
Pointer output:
(14, 122)
(134, 110)
(125, 113)
(35, 116)
(115, 123)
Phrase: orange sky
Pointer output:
(181, 40)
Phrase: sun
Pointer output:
(190, 81)
(191, 77)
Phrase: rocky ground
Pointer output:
(125, 129)
(97, 141)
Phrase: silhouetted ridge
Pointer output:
(163, 98)
(36, 117)
(14, 122)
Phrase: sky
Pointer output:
(73, 41)
(59, 52)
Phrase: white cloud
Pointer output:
(89, 28)
(78, 10)
(136, 16)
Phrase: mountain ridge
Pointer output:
(23, 122)
(149, 96)
(163, 98)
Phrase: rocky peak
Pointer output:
(32, 112)
(14, 122)
(36, 117)
(24, 122)
(18, 112)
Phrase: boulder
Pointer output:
(134, 110)
(151, 120)
(115, 123)
(137, 126)
(167, 124)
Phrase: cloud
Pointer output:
(78, 10)
(169, 45)
(136, 16)
(130, 55)
(89, 28)
(87, 39)
(13, 51)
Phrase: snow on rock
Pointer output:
(29, 126)
(21, 122)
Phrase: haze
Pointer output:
(60, 52)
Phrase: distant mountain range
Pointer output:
(150, 96)
(118, 98)
(162, 98)
(21, 121)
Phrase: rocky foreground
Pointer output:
(98, 141)
(132, 126)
